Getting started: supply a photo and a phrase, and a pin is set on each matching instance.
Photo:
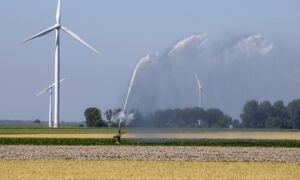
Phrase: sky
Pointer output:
(124, 31)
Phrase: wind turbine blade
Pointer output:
(68, 31)
(58, 11)
(45, 90)
(38, 34)
(62, 79)
(49, 87)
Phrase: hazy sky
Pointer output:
(124, 31)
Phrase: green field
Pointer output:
(152, 142)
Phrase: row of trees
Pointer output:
(191, 117)
(94, 118)
(254, 115)
(188, 117)
(267, 115)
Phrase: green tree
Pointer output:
(264, 112)
(293, 110)
(250, 114)
(224, 122)
(109, 115)
(274, 123)
(37, 121)
(214, 116)
(280, 111)
(236, 123)
(93, 117)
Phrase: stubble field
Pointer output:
(28, 170)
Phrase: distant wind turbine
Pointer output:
(50, 90)
(200, 90)
(57, 27)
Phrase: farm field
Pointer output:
(68, 169)
(80, 153)
(146, 134)
(151, 153)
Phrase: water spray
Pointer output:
(122, 114)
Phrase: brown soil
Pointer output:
(209, 154)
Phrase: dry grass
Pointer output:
(186, 135)
(146, 170)
(104, 136)
(222, 135)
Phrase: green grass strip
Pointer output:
(152, 142)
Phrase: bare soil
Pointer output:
(164, 153)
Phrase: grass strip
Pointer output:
(153, 142)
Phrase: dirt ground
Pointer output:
(165, 153)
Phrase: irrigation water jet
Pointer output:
(122, 114)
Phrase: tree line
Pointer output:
(267, 115)
(255, 115)
(181, 118)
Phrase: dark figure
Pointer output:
(117, 137)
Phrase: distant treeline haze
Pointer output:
(254, 115)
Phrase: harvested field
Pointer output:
(146, 170)
(162, 153)
(158, 133)
(185, 135)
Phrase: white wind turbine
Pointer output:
(50, 90)
(57, 28)
(200, 90)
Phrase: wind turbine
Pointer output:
(50, 90)
(57, 28)
(200, 89)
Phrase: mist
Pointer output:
(232, 70)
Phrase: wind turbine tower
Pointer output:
(200, 90)
(57, 28)
(50, 90)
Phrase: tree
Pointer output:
(293, 110)
(37, 121)
(250, 114)
(93, 117)
(115, 115)
(236, 123)
(274, 123)
(214, 116)
(264, 112)
(279, 110)
(224, 122)
(109, 114)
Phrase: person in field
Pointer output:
(117, 137)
